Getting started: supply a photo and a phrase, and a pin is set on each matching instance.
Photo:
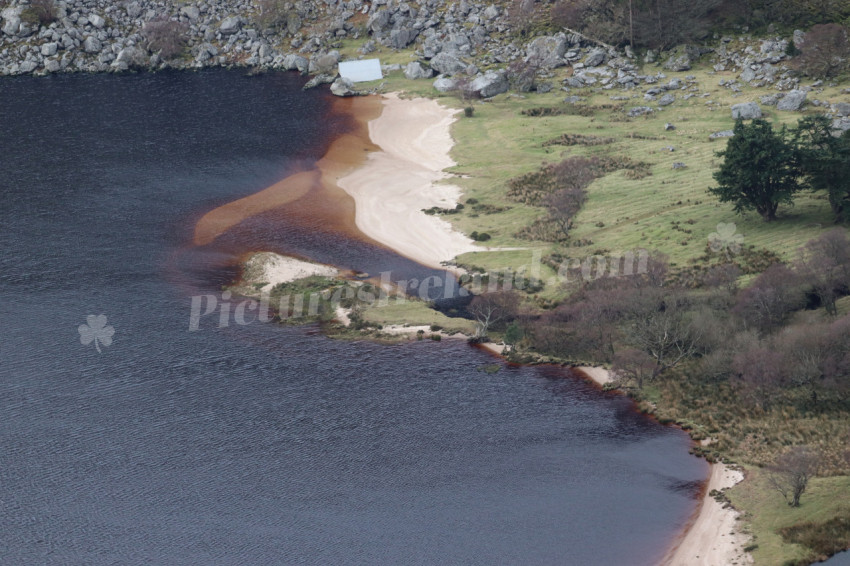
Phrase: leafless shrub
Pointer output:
(825, 51)
(792, 471)
(165, 36)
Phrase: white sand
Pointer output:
(598, 374)
(395, 184)
(714, 539)
(273, 269)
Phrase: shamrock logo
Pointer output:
(95, 330)
(726, 239)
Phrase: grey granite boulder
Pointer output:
(230, 25)
(548, 52)
(596, 57)
(489, 84)
(678, 63)
(414, 71)
(92, 45)
(447, 64)
(445, 84)
(746, 111)
(343, 87)
(793, 100)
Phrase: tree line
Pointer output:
(764, 168)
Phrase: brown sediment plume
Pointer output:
(313, 194)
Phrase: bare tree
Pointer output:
(761, 371)
(492, 309)
(792, 471)
(666, 335)
(771, 298)
(563, 205)
(635, 365)
(825, 51)
(165, 36)
(824, 263)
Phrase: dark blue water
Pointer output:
(262, 444)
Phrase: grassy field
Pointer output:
(766, 512)
(621, 214)
(404, 313)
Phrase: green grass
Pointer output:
(766, 512)
(414, 313)
(621, 214)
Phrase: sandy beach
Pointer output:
(714, 537)
(273, 269)
(401, 179)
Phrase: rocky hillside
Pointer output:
(453, 41)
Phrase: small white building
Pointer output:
(361, 71)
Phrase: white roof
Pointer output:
(361, 71)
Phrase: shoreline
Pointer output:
(712, 535)
(402, 178)
(383, 148)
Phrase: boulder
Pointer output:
(319, 80)
(414, 71)
(841, 125)
(132, 57)
(191, 12)
(445, 84)
(666, 100)
(447, 64)
(378, 21)
(748, 75)
(678, 63)
(134, 10)
(11, 25)
(325, 63)
(639, 111)
(596, 57)
(402, 37)
(489, 84)
(49, 49)
(723, 134)
(343, 87)
(97, 21)
(548, 52)
(92, 45)
(793, 100)
(230, 25)
(841, 108)
(293, 62)
(746, 111)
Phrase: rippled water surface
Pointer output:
(261, 444)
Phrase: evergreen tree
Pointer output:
(825, 162)
(760, 169)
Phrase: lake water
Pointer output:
(263, 444)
